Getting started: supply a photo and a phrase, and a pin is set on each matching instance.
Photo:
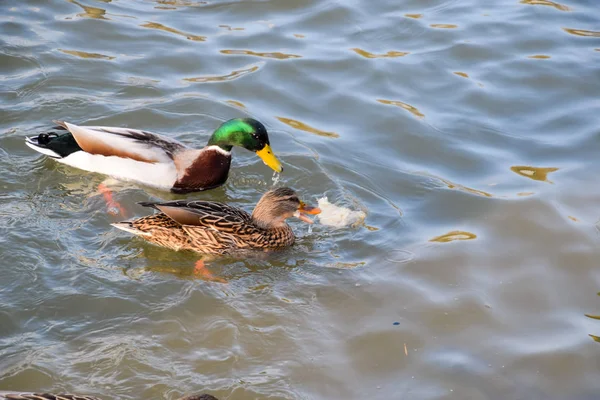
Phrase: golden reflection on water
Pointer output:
(581, 32)
(546, 3)
(277, 55)
(413, 110)
(161, 27)
(229, 28)
(444, 26)
(415, 16)
(299, 35)
(463, 74)
(389, 54)
(236, 103)
(596, 317)
(307, 128)
(454, 235)
(537, 174)
(182, 3)
(84, 54)
(524, 194)
(90, 12)
(452, 185)
(458, 186)
(539, 56)
(220, 78)
(572, 218)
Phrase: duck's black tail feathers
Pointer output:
(54, 144)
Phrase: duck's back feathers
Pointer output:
(206, 227)
(202, 213)
(123, 142)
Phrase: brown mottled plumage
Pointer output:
(215, 228)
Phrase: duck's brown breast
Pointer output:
(209, 170)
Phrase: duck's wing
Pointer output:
(43, 396)
(123, 142)
(209, 214)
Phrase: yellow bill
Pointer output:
(266, 154)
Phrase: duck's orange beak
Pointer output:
(304, 209)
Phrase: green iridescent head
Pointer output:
(249, 134)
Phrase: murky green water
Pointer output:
(467, 131)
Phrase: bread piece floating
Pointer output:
(338, 217)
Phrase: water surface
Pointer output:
(468, 133)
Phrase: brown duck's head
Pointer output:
(279, 204)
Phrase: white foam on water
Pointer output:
(338, 217)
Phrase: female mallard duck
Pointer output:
(153, 160)
(215, 228)
(50, 396)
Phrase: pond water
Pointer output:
(468, 132)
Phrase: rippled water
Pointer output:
(467, 131)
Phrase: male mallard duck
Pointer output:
(50, 396)
(153, 160)
(216, 228)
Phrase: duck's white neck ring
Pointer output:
(218, 149)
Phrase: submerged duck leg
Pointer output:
(113, 206)
(202, 272)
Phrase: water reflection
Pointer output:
(399, 256)
(415, 16)
(546, 3)
(539, 56)
(454, 235)
(90, 12)
(236, 103)
(85, 54)
(582, 32)
(537, 174)
(220, 78)
(389, 54)
(277, 55)
(458, 186)
(444, 26)
(307, 128)
(345, 265)
(182, 3)
(596, 317)
(229, 28)
(161, 27)
(463, 74)
(412, 109)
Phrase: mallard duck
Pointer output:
(51, 396)
(153, 160)
(215, 228)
